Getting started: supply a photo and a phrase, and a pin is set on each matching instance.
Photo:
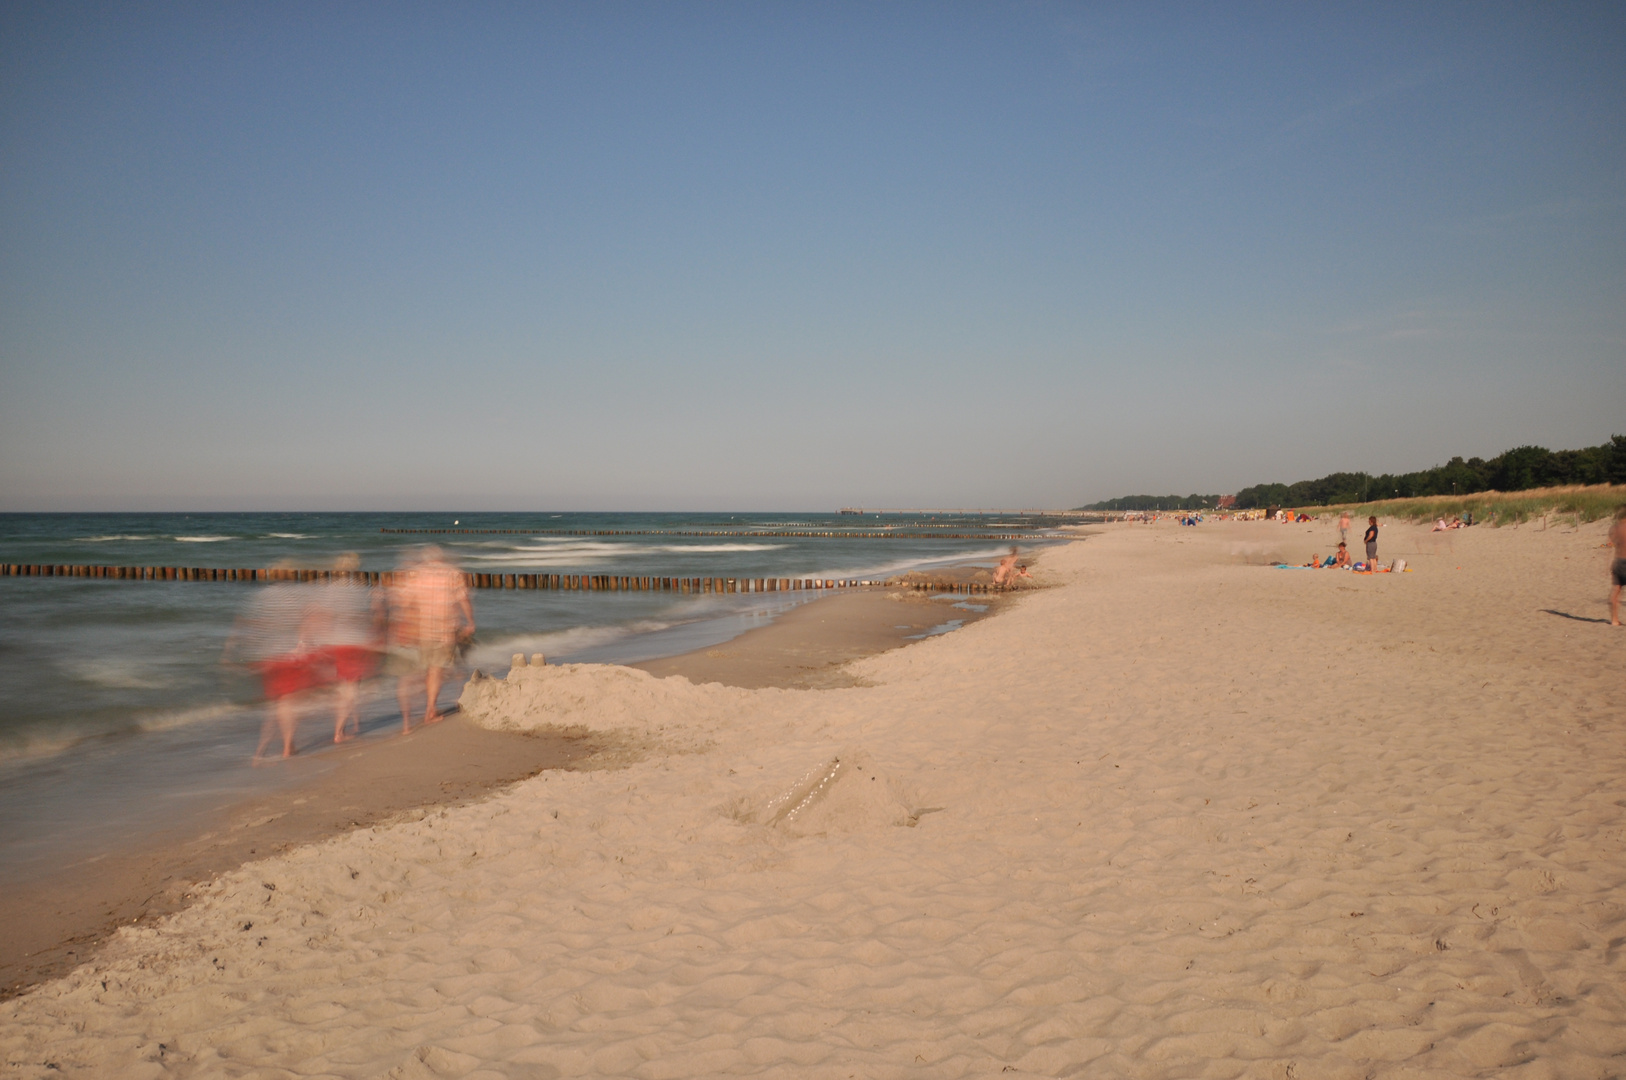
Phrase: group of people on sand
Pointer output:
(1008, 570)
(1340, 559)
(300, 638)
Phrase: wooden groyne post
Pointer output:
(477, 580)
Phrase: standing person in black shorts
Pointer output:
(1371, 543)
(1617, 568)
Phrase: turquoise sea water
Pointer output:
(116, 712)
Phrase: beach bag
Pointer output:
(1399, 566)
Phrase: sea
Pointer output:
(118, 716)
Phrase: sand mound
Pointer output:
(599, 697)
(843, 794)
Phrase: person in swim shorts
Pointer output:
(350, 618)
(274, 638)
(430, 617)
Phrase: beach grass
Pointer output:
(1581, 503)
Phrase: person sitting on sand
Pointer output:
(1440, 526)
(1341, 558)
(1005, 570)
(1314, 563)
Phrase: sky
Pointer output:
(759, 256)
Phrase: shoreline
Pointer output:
(55, 921)
(808, 647)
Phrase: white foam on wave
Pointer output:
(203, 539)
(564, 552)
(33, 745)
(291, 536)
(495, 655)
(905, 565)
(679, 548)
(197, 714)
(118, 674)
(557, 553)
(104, 539)
(562, 556)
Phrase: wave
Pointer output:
(32, 746)
(36, 744)
(905, 565)
(104, 539)
(203, 539)
(198, 714)
(496, 655)
(552, 543)
(289, 536)
(117, 674)
(718, 547)
(562, 554)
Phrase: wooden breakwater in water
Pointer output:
(559, 582)
(733, 534)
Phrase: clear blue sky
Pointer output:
(757, 255)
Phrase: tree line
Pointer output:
(1156, 502)
(1518, 469)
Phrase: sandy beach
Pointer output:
(51, 923)
(1179, 813)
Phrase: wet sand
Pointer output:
(808, 646)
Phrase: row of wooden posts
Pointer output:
(735, 533)
(563, 582)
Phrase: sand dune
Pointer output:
(1178, 815)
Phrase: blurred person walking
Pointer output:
(430, 617)
(274, 636)
(349, 617)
